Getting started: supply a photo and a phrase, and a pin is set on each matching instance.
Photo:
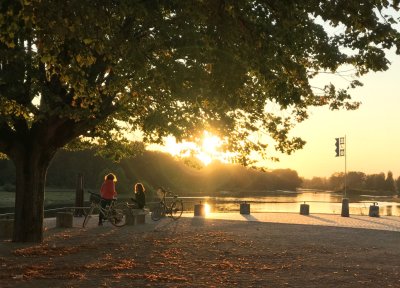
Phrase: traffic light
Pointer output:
(340, 146)
(337, 144)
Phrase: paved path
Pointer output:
(390, 223)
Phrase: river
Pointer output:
(278, 201)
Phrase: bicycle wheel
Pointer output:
(88, 215)
(176, 209)
(117, 214)
(157, 213)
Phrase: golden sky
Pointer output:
(372, 131)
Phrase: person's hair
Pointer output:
(111, 176)
(139, 187)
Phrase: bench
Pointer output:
(64, 219)
(136, 216)
(6, 228)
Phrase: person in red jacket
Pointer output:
(107, 193)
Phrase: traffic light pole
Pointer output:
(345, 166)
(345, 200)
(341, 150)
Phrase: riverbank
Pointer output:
(201, 252)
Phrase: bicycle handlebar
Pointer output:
(96, 195)
(165, 191)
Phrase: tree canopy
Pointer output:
(88, 71)
(178, 68)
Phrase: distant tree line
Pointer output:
(356, 182)
(183, 176)
(188, 176)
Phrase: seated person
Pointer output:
(140, 198)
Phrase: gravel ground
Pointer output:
(198, 252)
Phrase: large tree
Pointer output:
(89, 71)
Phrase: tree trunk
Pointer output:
(31, 169)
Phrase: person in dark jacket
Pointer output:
(140, 198)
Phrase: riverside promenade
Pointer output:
(388, 223)
(218, 250)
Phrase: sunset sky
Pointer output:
(372, 131)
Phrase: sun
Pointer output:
(211, 143)
(206, 150)
(209, 148)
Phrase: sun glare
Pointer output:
(207, 209)
(181, 149)
(204, 157)
(210, 143)
(207, 150)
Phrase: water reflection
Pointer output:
(320, 202)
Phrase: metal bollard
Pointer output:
(304, 209)
(374, 210)
(245, 208)
(199, 210)
(345, 207)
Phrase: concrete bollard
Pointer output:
(6, 228)
(245, 208)
(389, 210)
(64, 220)
(374, 210)
(345, 208)
(304, 209)
(199, 210)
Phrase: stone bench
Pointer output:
(6, 228)
(136, 216)
(64, 219)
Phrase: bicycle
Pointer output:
(174, 209)
(115, 212)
